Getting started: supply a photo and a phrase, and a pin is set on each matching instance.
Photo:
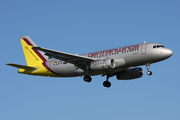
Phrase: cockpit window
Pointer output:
(162, 46)
(158, 46)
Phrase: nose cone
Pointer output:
(169, 52)
(166, 53)
(162, 54)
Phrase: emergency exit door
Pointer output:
(143, 48)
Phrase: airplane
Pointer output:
(121, 62)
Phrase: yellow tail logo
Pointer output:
(36, 60)
(33, 57)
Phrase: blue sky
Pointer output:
(86, 26)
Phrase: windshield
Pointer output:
(158, 46)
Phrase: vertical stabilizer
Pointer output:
(33, 56)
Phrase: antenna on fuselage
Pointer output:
(144, 41)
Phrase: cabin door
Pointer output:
(143, 48)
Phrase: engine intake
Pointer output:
(129, 74)
(102, 64)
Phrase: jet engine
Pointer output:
(131, 73)
(119, 62)
(102, 64)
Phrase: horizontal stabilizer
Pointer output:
(21, 66)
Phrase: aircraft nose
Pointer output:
(168, 52)
(162, 54)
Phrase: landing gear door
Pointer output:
(143, 49)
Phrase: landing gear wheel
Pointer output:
(149, 73)
(87, 78)
(148, 68)
(107, 84)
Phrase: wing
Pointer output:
(77, 60)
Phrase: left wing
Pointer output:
(77, 60)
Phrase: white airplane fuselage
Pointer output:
(122, 61)
(129, 56)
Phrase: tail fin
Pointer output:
(33, 56)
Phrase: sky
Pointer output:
(84, 26)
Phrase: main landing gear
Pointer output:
(87, 78)
(106, 83)
(148, 68)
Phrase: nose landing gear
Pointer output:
(148, 68)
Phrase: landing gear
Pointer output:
(87, 78)
(149, 73)
(148, 68)
(107, 83)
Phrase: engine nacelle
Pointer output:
(102, 64)
(119, 62)
(131, 73)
